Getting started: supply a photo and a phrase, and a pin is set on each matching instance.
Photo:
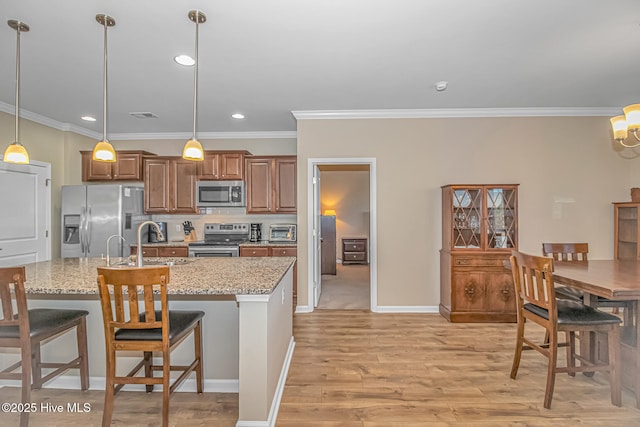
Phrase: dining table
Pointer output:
(611, 279)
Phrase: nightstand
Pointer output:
(354, 251)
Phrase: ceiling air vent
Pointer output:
(143, 115)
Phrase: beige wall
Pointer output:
(348, 193)
(567, 170)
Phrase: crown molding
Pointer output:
(452, 113)
(204, 135)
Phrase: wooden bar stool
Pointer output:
(131, 323)
(27, 329)
(536, 301)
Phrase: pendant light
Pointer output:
(103, 151)
(193, 149)
(15, 152)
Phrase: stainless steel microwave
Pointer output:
(212, 194)
(282, 233)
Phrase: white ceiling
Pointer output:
(268, 58)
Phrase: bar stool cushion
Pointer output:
(575, 313)
(43, 320)
(180, 322)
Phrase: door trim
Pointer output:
(373, 238)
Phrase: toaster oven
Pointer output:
(282, 233)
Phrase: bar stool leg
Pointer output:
(614, 365)
(83, 353)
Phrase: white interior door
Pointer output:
(25, 213)
(317, 277)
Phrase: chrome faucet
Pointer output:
(108, 241)
(160, 237)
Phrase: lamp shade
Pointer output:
(16, 153)
(104, 152)
(619, 125)
(193, 150)
(329, 212)
(632, 116)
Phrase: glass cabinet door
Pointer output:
(501, 219)
(467, 218)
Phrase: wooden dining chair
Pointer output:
(131, 323)
(536, 301)
(28, 329)
(578, 253)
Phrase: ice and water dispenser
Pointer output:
(71, 229)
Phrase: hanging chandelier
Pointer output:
(630, 122)
(193, 149)
(15, 152)
(103, 151)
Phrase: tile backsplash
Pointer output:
(174, 222)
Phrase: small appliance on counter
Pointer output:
(153, 233)
(282, 233)
(255, 234)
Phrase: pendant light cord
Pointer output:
(195, 82)
(17, 79)
(104, 86)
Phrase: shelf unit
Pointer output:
(626, 230)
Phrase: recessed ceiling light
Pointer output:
(237, 116)
(440, 86)
(185, 60)
(88, 118)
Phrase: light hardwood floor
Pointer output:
(356, 368)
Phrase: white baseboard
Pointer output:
(303, 309)
(72, 382)
(275, 404)
(406, 309)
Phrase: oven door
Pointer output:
(214, 251)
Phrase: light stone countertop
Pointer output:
(189, 276)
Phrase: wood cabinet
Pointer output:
(271, 184)
(127, 167)
(222, 165)
(626, 229)
(354, 251)
(170, 185)
(328, 245)
(479, 231)
(161, 251)
(275, 250)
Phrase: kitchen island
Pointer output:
(247, 328)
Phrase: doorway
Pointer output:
(344, 232)
(354, 284)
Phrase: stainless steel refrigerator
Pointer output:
(92, 213)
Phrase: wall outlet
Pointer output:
(177, 227)
(283, 295)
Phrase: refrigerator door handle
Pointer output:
(81, 230)
(88, 229)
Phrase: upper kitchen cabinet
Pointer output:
(271, 184)
(222, 165)
(479, 231)
(127, 167)
(170, 185)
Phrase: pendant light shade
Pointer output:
(15, 152)
(193, 149)
(103, 151)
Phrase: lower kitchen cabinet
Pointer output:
(161, 251)
(275, 250)
(476, 288)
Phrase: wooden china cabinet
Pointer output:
(626, 236)
(479, 231)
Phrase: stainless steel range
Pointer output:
(220, 240)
